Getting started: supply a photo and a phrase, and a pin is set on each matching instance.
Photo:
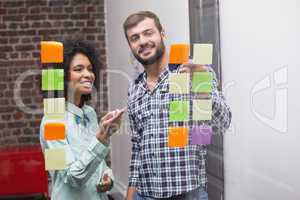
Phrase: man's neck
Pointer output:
(153, 71)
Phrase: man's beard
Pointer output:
(156, 57)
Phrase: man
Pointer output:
(157, 171)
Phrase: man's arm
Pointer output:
(221, 114)
(135, 158)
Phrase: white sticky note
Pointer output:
(179, 83)
(203, 54)
(55, 159)
(202, 109)
(54, 108)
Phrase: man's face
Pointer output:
(146, 42)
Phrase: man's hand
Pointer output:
(130, 193)
(109, 124)
(190, 68)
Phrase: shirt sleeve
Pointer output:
(78, 171)
(221, 114)
(135, 161)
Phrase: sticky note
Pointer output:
(54, 131)
(202, 82)
(179, 83)
(51, 52)
(179, 53)
(201, 134)
(52, 79)
(202, 109)
(178, 137)
(55, 159)
(202, 53)
(54, 108)
(179, 111)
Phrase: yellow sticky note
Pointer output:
(54, 108)
(203, 54)
(202, 109)
(55, 159)
(179, 83)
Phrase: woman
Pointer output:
(86, 144)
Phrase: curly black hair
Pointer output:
(71, 48)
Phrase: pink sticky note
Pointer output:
(201, 134)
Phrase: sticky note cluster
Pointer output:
(54, 108)
(192, 109)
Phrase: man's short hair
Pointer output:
(135, 18)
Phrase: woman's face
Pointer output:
(81, 75)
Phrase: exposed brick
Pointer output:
(3, 56)
(29, 3)
(69, 9)
(91, 23)
(15, 3)
(80, 9)
(13, 40)
(58, 3)
(57, 9)
(23, 10)
(26, 40)
(29, 22)
(3, 11)
(6, 49)
(12, 11)
(18, 115)
(68, 24)
(3, 26)
(2, 87)
(24, 47)
(35, 10)
(26, 33)
(80, 16)
(48, 32)
(27, 131)
(13, 18)
(59, 17)
(35, 17)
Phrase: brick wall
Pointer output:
(23, 24)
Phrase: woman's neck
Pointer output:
(77, 100)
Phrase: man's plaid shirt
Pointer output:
(155, 169)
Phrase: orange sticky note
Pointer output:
(51, 52)
(179, 53)
(178, 137)
(54, 131)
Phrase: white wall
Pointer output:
(260, 59)
(175, 20)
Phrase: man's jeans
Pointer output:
(198, 194)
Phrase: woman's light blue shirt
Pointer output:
(84, 153)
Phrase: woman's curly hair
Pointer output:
(71, 48)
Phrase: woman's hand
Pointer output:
(105, 184)
(109, 124)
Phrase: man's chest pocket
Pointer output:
(142, 112)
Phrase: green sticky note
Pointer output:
(52, 79)
(202, 109)
(54, 108)
(55, 159)
(203, 54)
(202, 82)
(179, 111)
(179, 83)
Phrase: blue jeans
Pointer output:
(198, 194)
